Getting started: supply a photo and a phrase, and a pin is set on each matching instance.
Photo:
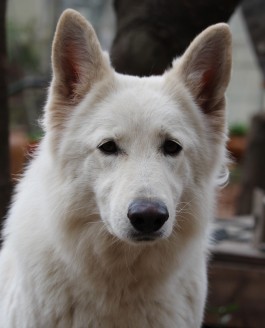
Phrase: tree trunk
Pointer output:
(5, 184)
(253, 172)
(150, 34)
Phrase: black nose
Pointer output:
(147, 216)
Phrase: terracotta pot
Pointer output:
(18, 143)
(237, 147)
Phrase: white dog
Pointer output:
(109, 225)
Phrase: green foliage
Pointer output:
(238, 129)
(224, 313)
(23, 47)
(35, 136)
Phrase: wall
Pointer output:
(245, 89)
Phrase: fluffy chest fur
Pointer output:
(117, 287)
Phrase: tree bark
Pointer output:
(253, 172)
(151, 33)
(5, 184)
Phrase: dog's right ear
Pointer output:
(77, 59)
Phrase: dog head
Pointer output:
(140, 152)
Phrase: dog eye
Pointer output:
(171, 147)
(109, 148)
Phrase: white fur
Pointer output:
(68, 259)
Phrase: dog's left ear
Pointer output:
(205, 68)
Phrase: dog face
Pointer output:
(135, 150)
(138, 157)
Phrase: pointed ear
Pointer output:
(205, 69)
(77, 59)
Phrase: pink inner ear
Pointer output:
(71, 69)
(207, 89)
(208, 78)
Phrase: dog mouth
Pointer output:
(145, 237)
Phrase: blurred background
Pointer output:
(126, 28)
